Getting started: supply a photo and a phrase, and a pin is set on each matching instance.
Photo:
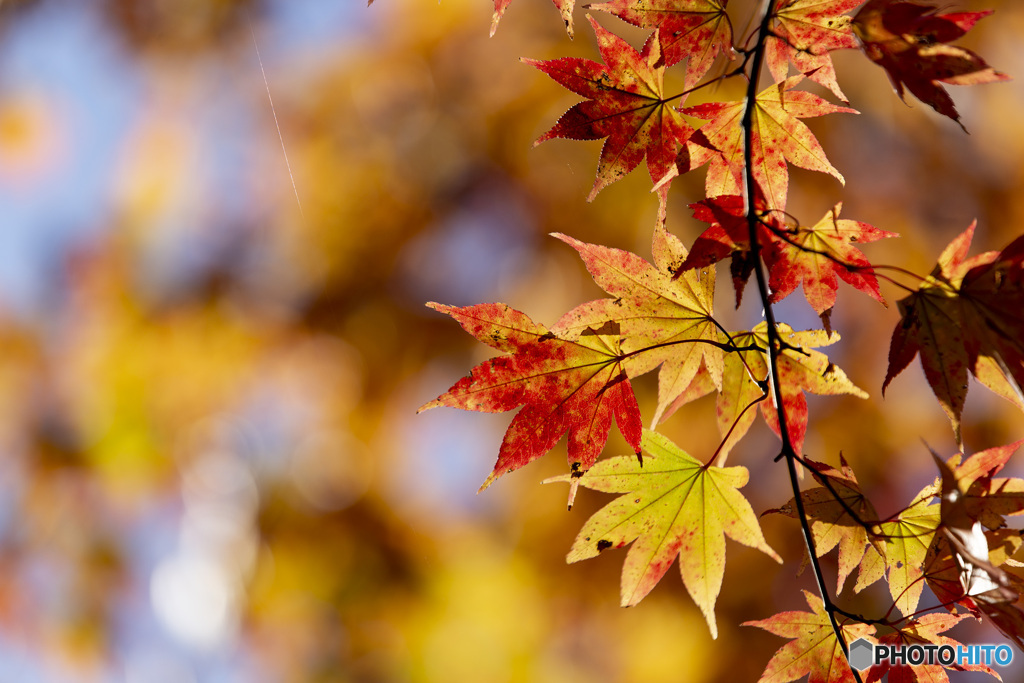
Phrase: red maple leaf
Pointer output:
(804, 32)
(575, 386)
(626, 105)
(967, 316)
(816, 255)
(698, 30)
(778, 137)
(910, 41)
(729, 235)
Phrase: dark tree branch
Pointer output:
(774, 340)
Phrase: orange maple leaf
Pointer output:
(778, 137)
(815, 651)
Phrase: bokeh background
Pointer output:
(211, 466)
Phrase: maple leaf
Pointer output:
(981, 580)
(923, 630)
(967, 316)
(564, 8)
(907, 537)
(802, 368)
(992, 297)
(674, 505)
(743, 384)
(986, 498)
(804, 32)
(626, 104)
(815, 651)
(910, 41)
(727, 235)
(816, 255)
(778, 136)
(829, 513)
(575, 386)
(813, 255)
(664, 320)
(698, 30)
(965, 566)
(945, 574)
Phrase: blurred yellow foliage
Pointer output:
(205, 328)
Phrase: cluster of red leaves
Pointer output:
(574, 378)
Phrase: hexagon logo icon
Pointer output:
(860, 654)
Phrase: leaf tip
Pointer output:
(442, 308)
(428, 405)
(491, 478)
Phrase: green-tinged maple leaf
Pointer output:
(907, 538)
(564, 8)
(802, 368)
(698, 30)
(663, 320)
(744, 374)
(967, 316)
(815, 651)
(575, 386)
(816, 255)
(625, 103)
(674, 505)
(778, 137)
(804, 32)
(831, 522)
(910, 41)
(923, 630)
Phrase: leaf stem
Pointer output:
(714, 456)
(728, 74)
(774, 339)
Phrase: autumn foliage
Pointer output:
(575, 378)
